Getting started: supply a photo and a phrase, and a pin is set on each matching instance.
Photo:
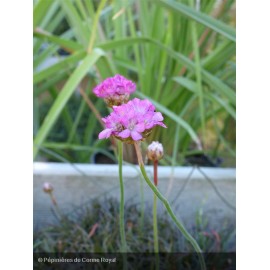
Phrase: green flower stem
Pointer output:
(155, 226)
(169, 209)
(142, 205)
(121, 216)
(155, 172)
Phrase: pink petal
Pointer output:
(124, 134)
(140, 127)
(161, 124)
(106, 133)
(135, 135)
(157, 116)
(104, 120)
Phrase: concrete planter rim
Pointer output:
(76, 169)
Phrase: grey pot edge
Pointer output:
(77, 184)
(76, 169)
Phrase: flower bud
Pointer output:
(155, 151)
(115, 90)
(47, 187)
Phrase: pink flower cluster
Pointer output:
(115, 90)
(132, 121)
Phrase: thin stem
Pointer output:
(94, 110)
(56, 209)
(53, 199)
(155, 173)
(155, 226)
(169, 209)
(142, 205)
(121, 216)
(91, 106)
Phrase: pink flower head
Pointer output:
(115, 90)
(132, 121)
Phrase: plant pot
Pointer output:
(207, 192)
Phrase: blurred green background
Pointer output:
(181, 55)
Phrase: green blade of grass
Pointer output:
(191, 85)
(210, 79)
(74, 126)
(45, 85)
(129, 65)
(223, 103)
(68, 62)
(135, 47)
(35, 116)
(177, 132)
(69, 45)
(92, 39)
(77, 147)
(219, 56)
(40, 8)
(64, 96)
(199, 17)
(118, 22)
(187, 83)
(80, 30)
(198, 75)
(82, 10)
(52, 14)
(91, 125)
(45, 54)
(66, 115)
(49, 23)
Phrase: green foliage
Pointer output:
(181, 57)
(73, 232)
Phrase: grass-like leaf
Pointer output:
(64, 96)
(204, 19)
